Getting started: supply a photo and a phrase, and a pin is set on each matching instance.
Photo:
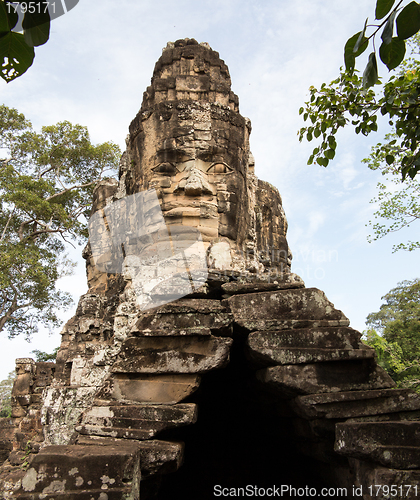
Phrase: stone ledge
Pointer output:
(316, 378)
(356, 403)
(393, 444)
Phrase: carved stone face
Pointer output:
(190, 143)
(200, 176)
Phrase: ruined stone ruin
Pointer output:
(197, 362)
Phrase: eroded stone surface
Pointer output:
(172, 354)
(135, 421)
(72, 469)
(316, 378)
(356, 403)
(184, 317)
(281, 309)
(145, 388)
(375, 441)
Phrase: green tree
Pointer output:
(6, 386)
(397, 200)
(44, 356)
(398, 323)
(46, 185)
(350, 100)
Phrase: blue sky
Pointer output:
(100, 58)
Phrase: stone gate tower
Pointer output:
(198, 361)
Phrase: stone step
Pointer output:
(318, 337)
(393, 444)
(184, 317)
(147, 388)
(135, 421)
(97, 494)
(302, 355)
(309, 345)
(156, 456)
(282, 283)
(356, 403)
(192, 354)
(378, 482)
(75, 471)
(336, 376)
(285, 309)
(119, 432)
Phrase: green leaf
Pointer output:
(408, 21)
(323, 162)
(393, 53)
(15, 56)
(389, 29)
(8, 17)
(390, 159)
(349, 55)
(330, 153)
(332, 142)
(36, 26)
(370, 75)
(383, 7)
(360, 38)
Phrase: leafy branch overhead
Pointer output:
(350, 100)
(17, 49)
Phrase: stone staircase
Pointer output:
(345, 410)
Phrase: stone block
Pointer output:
(280, 283)
(392, 444)
(23, 384)
(172, 354)
(318, 338)
(77, 471)
(135, 421)
(184, 317)
(187, 83)
(356, 403)
(281, 309)
(156, 456)
(334, 376)
(166, 389)
(376, 482)
(5, 449)
(298, 355)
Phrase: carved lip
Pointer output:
(183, 212)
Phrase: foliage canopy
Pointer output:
(46, 185)
(398, 322)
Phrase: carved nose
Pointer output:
(196, 184)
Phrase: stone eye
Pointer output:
(219, 168)
(166, 169)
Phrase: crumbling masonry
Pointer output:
(183, 370)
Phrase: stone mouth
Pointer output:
(184, 212)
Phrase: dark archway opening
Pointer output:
(239, 441)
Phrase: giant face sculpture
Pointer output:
(200, 176)
(190, 144)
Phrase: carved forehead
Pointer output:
(175, 132)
